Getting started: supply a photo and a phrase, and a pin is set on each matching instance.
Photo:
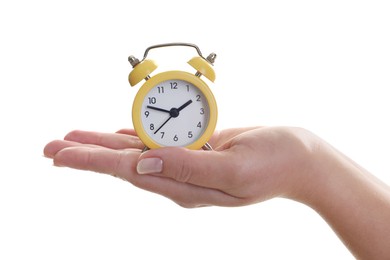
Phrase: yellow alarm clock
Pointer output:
(174, 108)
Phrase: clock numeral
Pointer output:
(175, 138)
(152, 100)
(162, 134)
(160, 89)
(198, 98)
(190, 135)
(151, 126)
(173, 85)
(199, 125)
(188, 88)
(202, 111)
(146, 114)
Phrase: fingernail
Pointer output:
(150, 165)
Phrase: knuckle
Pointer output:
(88, 157)
(118, 164)
(183, 172)
(124, 164)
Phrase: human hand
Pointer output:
(248, 165)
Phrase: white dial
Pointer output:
(175, 113)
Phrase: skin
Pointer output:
(247, 166)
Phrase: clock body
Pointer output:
(174, 108)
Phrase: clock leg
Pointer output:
(207, 147)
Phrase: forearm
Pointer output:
(354, 203)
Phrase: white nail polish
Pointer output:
(150, 165)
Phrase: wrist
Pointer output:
(317, 173)
(353, 202)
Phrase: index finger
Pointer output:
(109, 140)
(120, 163)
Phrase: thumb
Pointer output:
(211, 169)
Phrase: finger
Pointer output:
(122, 164)
(211, 169)
(109, 140)
(53, 147)
(115, 162)
(127, 131)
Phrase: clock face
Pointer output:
(174, 113)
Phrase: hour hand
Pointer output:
(158, 109)
(185, 105)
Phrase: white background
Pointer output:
(321, 65)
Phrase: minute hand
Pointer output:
(158, 109)
(166, 121)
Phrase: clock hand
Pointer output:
(184, 105)
(174, 112)
(166, 121)
(158, 109)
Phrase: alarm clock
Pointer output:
(174, 108)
